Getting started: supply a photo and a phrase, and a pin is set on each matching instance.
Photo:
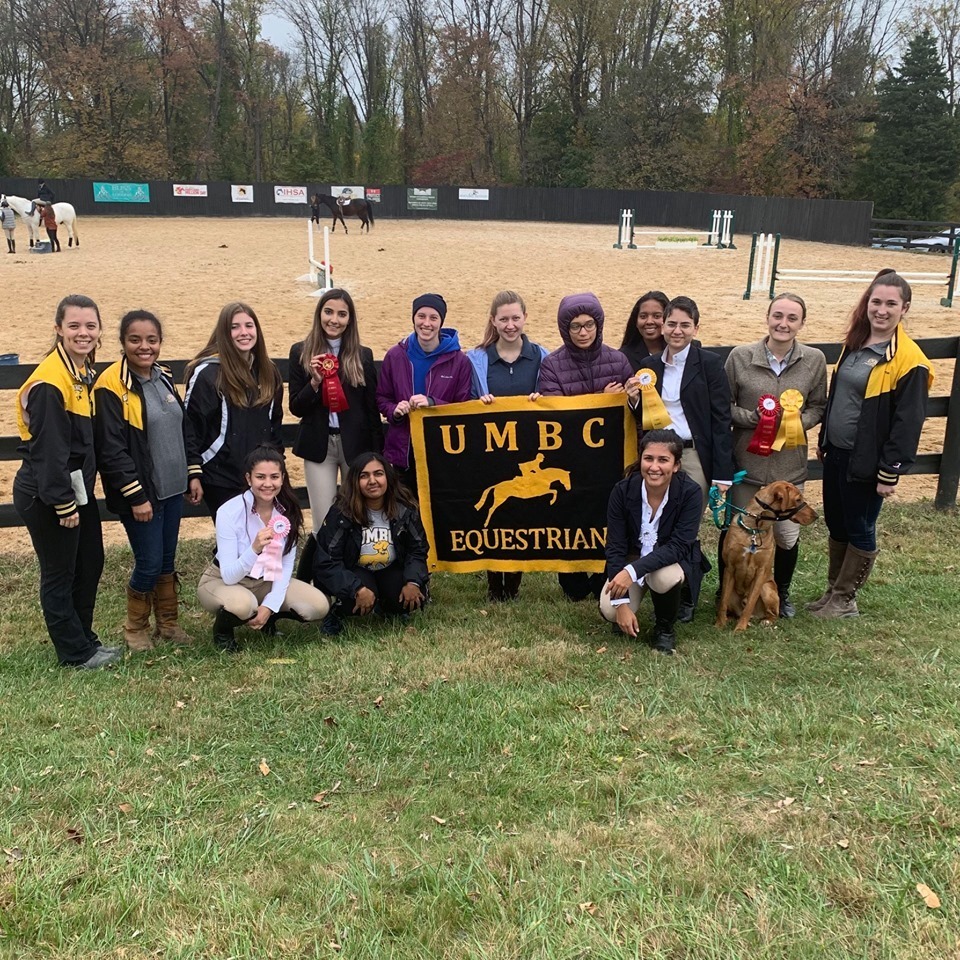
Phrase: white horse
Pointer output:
(65, 214)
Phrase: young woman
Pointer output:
(234, 401)
(505, 364)
(584, 364)
(372, 549)
(333, 389)
(251, 578)
(644, 334)
(48, 217)
(775, 447)
(425, 369)
(653, 521)
(53, 489)
(148, 462)
(870, 433)
(8, 222)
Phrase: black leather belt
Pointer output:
(688, 445)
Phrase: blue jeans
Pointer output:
(154, 544)
(850, 507)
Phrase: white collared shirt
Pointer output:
(238, 524)
(670, 392)
(649, 532)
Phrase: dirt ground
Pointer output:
(186, 269)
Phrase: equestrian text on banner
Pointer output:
(519, 485)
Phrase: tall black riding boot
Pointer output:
(223, 627)
(784, 563)
(666, 606)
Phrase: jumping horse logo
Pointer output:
(532, 482)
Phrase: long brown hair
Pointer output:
(84, 302)
(504, 297)
(242, 384)
(859, 329)
(351, 362)
(286, 499)
(351, 501)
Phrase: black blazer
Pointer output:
(677, 534)
(360, 426)
(705, 398)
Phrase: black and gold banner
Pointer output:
(519, 485)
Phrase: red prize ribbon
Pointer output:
(761, 443)
(334, 399)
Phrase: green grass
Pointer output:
(596, 800)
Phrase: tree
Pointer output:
(915, 153)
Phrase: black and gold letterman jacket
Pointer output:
(55, 420)
(122, 438)
(892, 415)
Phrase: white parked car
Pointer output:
(940, 243)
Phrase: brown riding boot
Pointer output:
(837, 552)
(853, 574)
(165, 607)
(136, 628)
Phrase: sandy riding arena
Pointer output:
(186, 269)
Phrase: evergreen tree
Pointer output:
(914, 156)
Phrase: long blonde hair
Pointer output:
(351, 362)
(504, 297)
(242, 384)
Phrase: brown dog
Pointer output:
(748, 553)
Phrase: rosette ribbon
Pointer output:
(655, 416)
(334, 399)
(269, 565)
(791, 433)
(761, 443)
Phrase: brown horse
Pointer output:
(361, 209)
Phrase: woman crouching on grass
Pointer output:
(653, 522)
(148, 463)
(372, 549)
(251, 578)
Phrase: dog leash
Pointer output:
(720, 505)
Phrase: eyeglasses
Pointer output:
(588, 325)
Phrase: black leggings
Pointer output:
(386, 585)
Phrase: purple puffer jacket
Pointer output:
(448, 381)
(570, 371)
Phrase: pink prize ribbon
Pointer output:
(269, 565)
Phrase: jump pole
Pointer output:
(721, 230)
(625, 230)
(320, 270)
(762, 269)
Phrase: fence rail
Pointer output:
(945, 465)
(883, 232)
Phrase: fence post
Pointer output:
(773, 269)
(949, 478)
(753, 257)
(947, 301)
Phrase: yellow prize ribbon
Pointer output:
(655, 416)
(791, 433)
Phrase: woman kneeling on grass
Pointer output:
(653, 523)
(148, 462)
(251, 578)
(372, 549)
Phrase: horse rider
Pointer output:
(45, 196)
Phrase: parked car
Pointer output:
(940, 243)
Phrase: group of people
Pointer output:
(42, 204)
(702, 423)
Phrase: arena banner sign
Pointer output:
(473, 193)
(373, 194)
(347, 192)
(241, 192)
(289, 194)
(189, 189)
(521, 485)
(121, 192)
(422, 198)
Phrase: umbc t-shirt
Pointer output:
(376, 542)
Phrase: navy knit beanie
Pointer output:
(433, 300)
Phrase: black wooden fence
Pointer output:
(946, 464)
(901, 234)
(828, 221)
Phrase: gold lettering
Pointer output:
(553, 538)
(487, 533)
(506, 540)
(456, 539)
(536, 536)
(500, 438)
(587, 436)
(566, 538)
(550, 435)
(474, 542)
(579, 540)
(521, 536)
(598, 538)
(461, 437)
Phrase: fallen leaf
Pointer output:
(866, 763)
(179, 704)
(750, 893)
(330, 721)
(333, 945)
(588, 907)
(75, 834)
(601, 649)
(843, 844)
(263, 767)
(378, 703)
(929, 897)
(785, 802)
(483, 613)
(439, 820)
(149, 751)
(624, 729)
(819, 781)
(14, 854)
(125, 808)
